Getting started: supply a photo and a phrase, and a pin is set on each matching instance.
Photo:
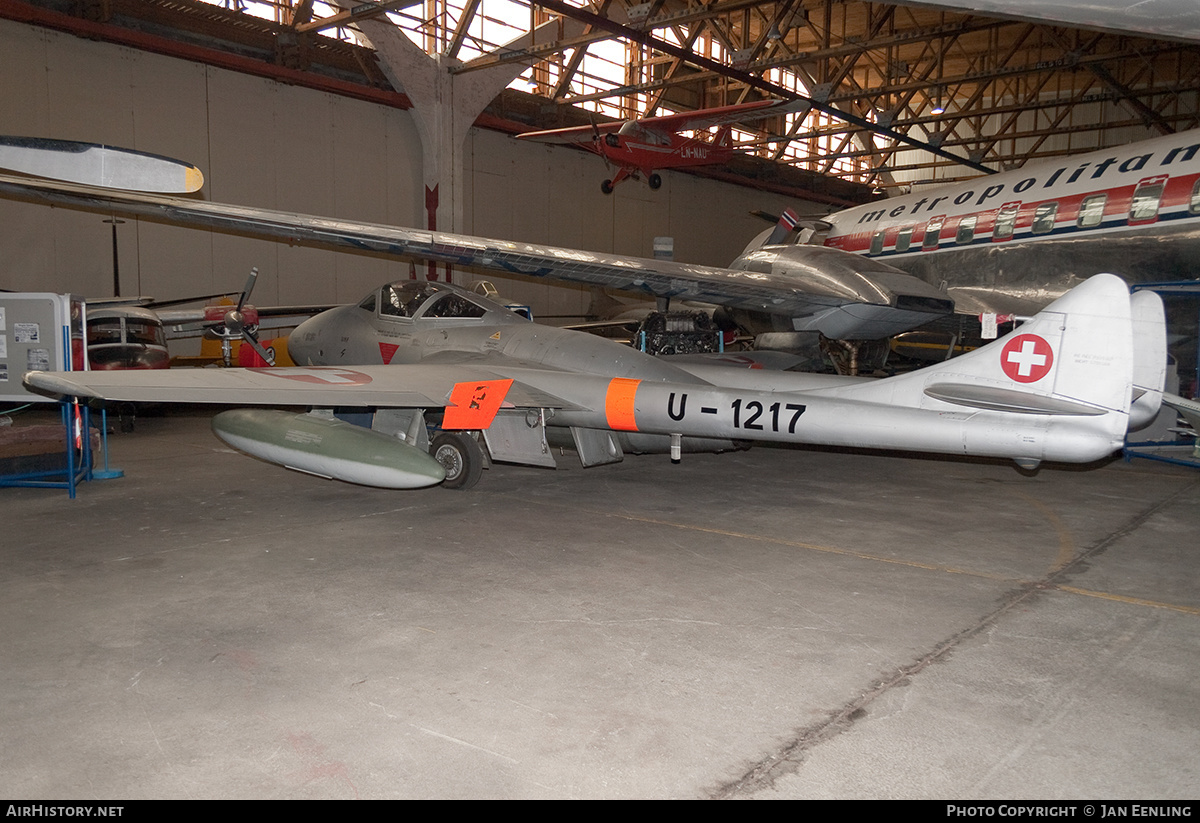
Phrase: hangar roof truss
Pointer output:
(888, 95)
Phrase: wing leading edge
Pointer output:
(663, 125)
(412, 386)
(792, 292)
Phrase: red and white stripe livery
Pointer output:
(1013, 241)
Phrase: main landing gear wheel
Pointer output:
(460, 456)
(606, 186)
(655, 181)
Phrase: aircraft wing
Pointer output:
(95, 164)
(707, 118)
(834, 280)
(573, 134)
(663, 125)
(411, 386)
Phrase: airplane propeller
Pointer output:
(239, 324)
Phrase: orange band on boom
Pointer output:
(618, 404)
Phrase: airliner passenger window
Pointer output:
(932, 230)
(966, 230)
(904, 238)
(1043, 218)
(1091, 211)
(1194, 202)
(1006, 221)
(877, 242)
(1145, 201)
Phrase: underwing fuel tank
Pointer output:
(328, 447)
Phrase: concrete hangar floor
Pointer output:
(770, 624)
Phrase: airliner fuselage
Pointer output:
(1012, 242)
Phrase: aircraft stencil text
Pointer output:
(748, 415)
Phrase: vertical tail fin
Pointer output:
(787, 223)
(1075, 357)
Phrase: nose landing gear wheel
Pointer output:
(606, 186)
(655, 181)
(460, 456)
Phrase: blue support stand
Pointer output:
(1178, 452)
(105, 473)
(77, 456)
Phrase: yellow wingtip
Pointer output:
(193, 179)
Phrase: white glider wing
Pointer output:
(98, 165)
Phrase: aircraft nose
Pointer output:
(304, 344)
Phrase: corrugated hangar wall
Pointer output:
(264, 143)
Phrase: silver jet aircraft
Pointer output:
(457, 381)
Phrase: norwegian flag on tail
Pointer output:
(786, 225)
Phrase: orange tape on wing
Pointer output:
(474, 405)
(618, 404)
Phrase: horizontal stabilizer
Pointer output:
(1009, 400)
(1189, 410)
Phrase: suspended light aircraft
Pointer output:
(638, 148)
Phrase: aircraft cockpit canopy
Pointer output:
(415, 298)
(126, 337)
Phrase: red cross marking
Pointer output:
(1026, 358)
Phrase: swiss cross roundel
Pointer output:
(1026, 358)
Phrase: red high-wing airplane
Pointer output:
(638, 147)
